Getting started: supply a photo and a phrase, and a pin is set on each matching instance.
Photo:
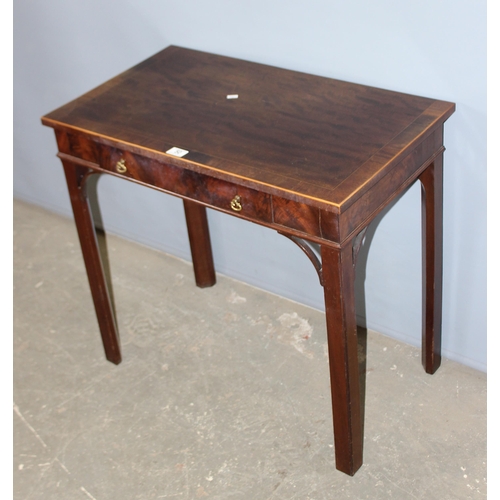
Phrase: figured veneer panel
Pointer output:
(77, 145)
(296, 215)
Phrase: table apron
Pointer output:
(277, 218)
(277, 212)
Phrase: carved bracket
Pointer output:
(356, 245)
(306, 247)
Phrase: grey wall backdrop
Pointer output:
(427, 47)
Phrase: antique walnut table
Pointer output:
(314, 158)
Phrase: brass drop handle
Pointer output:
(121, 167)
(236, 204)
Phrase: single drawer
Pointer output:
(217, 193)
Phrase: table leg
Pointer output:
(338, 283)
(199, 240)
(432, 263)
(75, 177)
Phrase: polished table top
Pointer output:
(319, 140)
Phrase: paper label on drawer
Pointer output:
(177, 152)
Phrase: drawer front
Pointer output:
(217, 193)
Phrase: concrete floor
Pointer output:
(223, 393)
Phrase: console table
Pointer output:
(313, 158)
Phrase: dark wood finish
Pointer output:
(432, 263)
(293, 132)
(313, 158)
(199, 240)
(296, 215)
(75, 178)
(338, 284)
(397, 180)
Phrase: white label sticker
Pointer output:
(232, 96)
(177, 152)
